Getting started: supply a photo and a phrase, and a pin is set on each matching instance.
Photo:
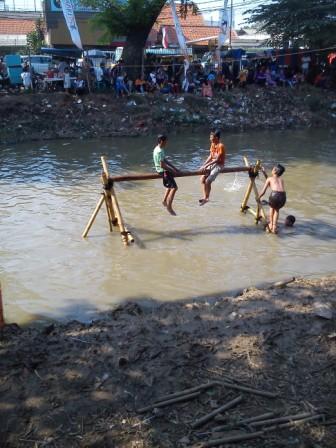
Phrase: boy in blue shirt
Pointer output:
(166, 171)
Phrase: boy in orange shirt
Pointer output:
(213, 165)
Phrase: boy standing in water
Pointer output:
(213, 164)
(166, 171)
(277, 198)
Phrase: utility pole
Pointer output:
(231, 23)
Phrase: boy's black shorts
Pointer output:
(168, 179)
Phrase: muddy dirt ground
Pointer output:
(39, 116)
(83, 385)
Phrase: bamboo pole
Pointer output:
(105, 177)
(93, 216)
(188, 391)
(169, 402)
(201, 421)
(263, 393)
(284, 419)
(244, 421)
(149, 176)
(2, 319)
(246, 197)
(123, 231)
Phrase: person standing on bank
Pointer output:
(213, 165)
(166, 171)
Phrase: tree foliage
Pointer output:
(133, 19)
(310, 23)
(35, 39)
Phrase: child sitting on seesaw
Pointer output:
(277, 197)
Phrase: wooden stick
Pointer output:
(188, 391)
(212, 414)
(287, 418)
(121, 224)
(254, 435)
(249, 389)
(93, 217)
(244, 421)
(169, 402)
(295, 422)
(148, 176)
(229, 439)
(105, 176)
(108, 211)
(2, 319)
(246, 197)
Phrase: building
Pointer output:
(14, 28)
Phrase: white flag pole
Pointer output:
(223, 30)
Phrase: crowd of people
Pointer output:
(173, 78)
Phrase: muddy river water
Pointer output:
(49, 190)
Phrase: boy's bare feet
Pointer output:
(203, 201)
(171, 211)
(164, 203)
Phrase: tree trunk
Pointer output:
(133, 51)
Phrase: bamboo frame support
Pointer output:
(259, 214)
(93, 216)
(2, 318)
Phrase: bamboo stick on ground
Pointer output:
(254, 435)
(231, 439)
(212, 414)
(286, 418)
(188, 391)
(169, 402)
(244, 421)
(295, 422)
(249, 389)
(93, 216)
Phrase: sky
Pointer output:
(209, 8)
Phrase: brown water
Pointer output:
(48, 192)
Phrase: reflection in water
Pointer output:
(49, 191)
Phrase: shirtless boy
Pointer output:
(277, 197)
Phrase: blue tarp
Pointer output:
(63, 52)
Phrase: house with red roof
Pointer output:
(13, 31)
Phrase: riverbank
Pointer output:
(29, 117)
(81, 385)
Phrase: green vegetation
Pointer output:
(35, 39)
(133, 19)
(309, 23)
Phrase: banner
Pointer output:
(178, 29)
(165, 42)
(69, 16)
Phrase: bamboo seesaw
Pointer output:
(115, 219)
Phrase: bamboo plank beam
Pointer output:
(93, 216)
(148, 176)
(169, 402)
(201, 421)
